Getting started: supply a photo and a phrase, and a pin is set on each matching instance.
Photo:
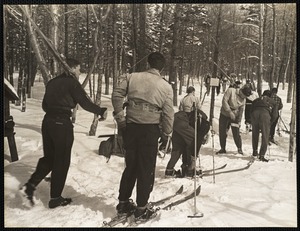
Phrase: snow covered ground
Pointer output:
(262, 196)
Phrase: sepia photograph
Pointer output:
(147, 115)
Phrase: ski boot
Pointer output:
(172, 173)
(126, 208)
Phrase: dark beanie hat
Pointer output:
(267, 93)
(190, 89)
(274, 90)
(246, 90)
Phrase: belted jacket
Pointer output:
(149, 97)
(233, 101)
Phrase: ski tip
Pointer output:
(180, 190)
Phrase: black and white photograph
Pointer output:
(144, 115)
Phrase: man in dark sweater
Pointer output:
(264, 113)
(61, 96)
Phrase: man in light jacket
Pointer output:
(232, 109)
(150, 103)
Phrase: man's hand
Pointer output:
(120, 118)
(102, 116)
(232, 115)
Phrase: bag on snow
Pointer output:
(112, 146)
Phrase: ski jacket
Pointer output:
(265, 104)
(150, 99)
(278, 101)
(63, 93)
(233, 101)
(186, 104)
(183, 128)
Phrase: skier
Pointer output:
(186, 104)
(232, 109)
(279, 104)
(264, 113)
(183, 142)
(248, 107)
(62, 94)
(207, 84)
(224, 83)
(150, 101)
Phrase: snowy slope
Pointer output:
(262, 196)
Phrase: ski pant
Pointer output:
(58, 137)
(141, 141)
(248, 111)
(261, 120)
(273, 126)
(224, 124)
(179, 147)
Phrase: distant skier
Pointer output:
(186, 104)
(279, 104)
(232, 109)
(183, 142)
(207, 83)
(150, 102)
(62, 95)
(264, 113)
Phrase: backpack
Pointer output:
(112, 146)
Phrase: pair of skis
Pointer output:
(123, 219)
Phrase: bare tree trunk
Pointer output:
(292, 48)
(182, 57)
(66, 48)
(292, 57)
(162, 29)
(115, 45)
(261, 51)
(122, 43)
(174, 53)
(134, 37)
(272, 76)
(142, 48)
(54, 11)
(99, 48)
(215, 60)
(40, 59)
(292, 146)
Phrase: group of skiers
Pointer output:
(148, 115)
(261, 113)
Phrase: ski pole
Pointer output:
(195, 156)
(213, 149)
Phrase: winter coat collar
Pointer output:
(153, 71)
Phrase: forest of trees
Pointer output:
(254, 41)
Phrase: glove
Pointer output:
(103, 114)
(232, 115)
(120, 118)
(166, 141)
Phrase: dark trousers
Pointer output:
(224, 124)
(248, 111)
(58, 139)
(179, 147)
(260, 121)
(141, 141)
(273, 126)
